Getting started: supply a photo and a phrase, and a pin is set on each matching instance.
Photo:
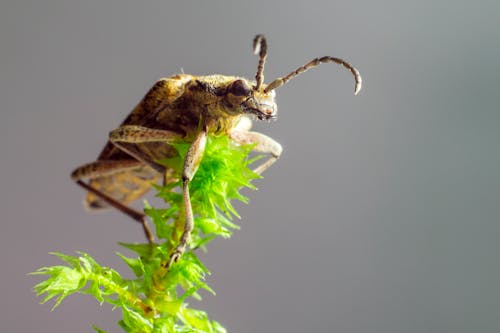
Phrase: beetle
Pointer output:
(188, 108)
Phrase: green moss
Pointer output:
(155, 300)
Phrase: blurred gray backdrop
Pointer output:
(381, 216)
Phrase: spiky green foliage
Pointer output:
(155, 300)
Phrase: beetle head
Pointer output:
(257, 98)
(252, 101)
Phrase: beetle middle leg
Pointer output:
(191, 164)
(141, 135)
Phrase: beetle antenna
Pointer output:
(313, 63)
(260, 47)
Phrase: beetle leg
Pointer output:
(132, 134)
(138, 135)
(264, 144)
(106, 168)
(191, 163)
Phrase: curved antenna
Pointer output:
(260, 47)
(313, 63)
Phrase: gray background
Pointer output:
(381, 216)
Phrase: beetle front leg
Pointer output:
(191, 164)
(264, 144)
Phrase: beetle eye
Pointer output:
(239, 88)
